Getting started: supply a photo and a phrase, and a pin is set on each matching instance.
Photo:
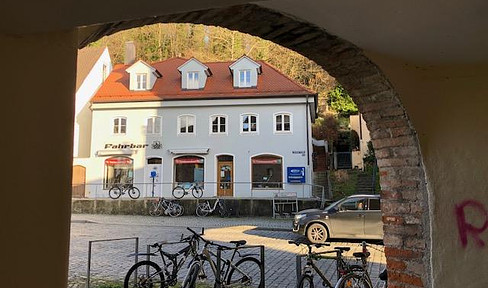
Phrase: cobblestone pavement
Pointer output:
(109, 259)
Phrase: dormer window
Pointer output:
(245, 78)
(245, 72)
(194, 74)
(142, 76)
(141, 79)
(192, 80)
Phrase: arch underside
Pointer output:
(404, 193)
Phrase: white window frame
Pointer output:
(247, 76)
(141, 81)
(226, 125)
(187, 116)
(152, 131)
(282, 115)
(119, 126)
(191, 83)
(242, 123)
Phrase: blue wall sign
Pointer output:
(296, 174)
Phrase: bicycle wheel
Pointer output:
(134, 192)
(246, 273)
(155, 209)
(202, 210)
(191, 277)
(144, 274)
(197, 192)
(353, 280)
(114, 192)
(223, 211)
(178, 192)
(175, 210)
(306, 281)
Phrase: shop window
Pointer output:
(153, 125)
(186, 124)
(189, 169)
(218, 124)
(119, 125)
(267, 172)
(118, 170)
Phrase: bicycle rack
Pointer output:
(136, 250)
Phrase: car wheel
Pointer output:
(317, 233)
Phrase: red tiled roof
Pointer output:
(271, 83)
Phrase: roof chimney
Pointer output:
(130, 53)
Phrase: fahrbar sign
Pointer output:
(126, 146)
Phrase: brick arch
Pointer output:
(404, 193)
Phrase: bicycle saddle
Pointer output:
(343, 248)
(361, 254)
(239, 242)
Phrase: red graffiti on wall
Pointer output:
(466, 228)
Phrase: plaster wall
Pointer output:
(37, 140)
(82, 107)
(233, 142)
(448, 108)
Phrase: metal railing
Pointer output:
(90, 246)
(236, 190)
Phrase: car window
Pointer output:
(374, 204)
(353, 204)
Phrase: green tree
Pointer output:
(339, 101)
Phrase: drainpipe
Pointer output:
(308, 140)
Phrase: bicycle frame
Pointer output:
(210, 208)
(216, 267)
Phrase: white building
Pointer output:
(241, 129)
(93, 67)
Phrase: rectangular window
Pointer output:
(118, 170)
(189, 169)
(249, 123)
(186, 124)
(267, 172)
(141, 79)
(244, 78)
(153, 125)
(218, 124)
(283, 123)
(119, 125)
(192, 80)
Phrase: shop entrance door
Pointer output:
(225, 179)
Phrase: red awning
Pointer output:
(266, 161)
(194, 160)
(118, 161)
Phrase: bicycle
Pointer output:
(203, 209)
(148, 274)
(118, 190)
(180, 190)
(247, 272)
(359, 275)
(343, 269)
(166, 207)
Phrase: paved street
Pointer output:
(109, 258)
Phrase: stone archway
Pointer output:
(404, 193)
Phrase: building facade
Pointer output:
(239, 129)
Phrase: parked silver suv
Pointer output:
(353, 217)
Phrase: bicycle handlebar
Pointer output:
(208, 241)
